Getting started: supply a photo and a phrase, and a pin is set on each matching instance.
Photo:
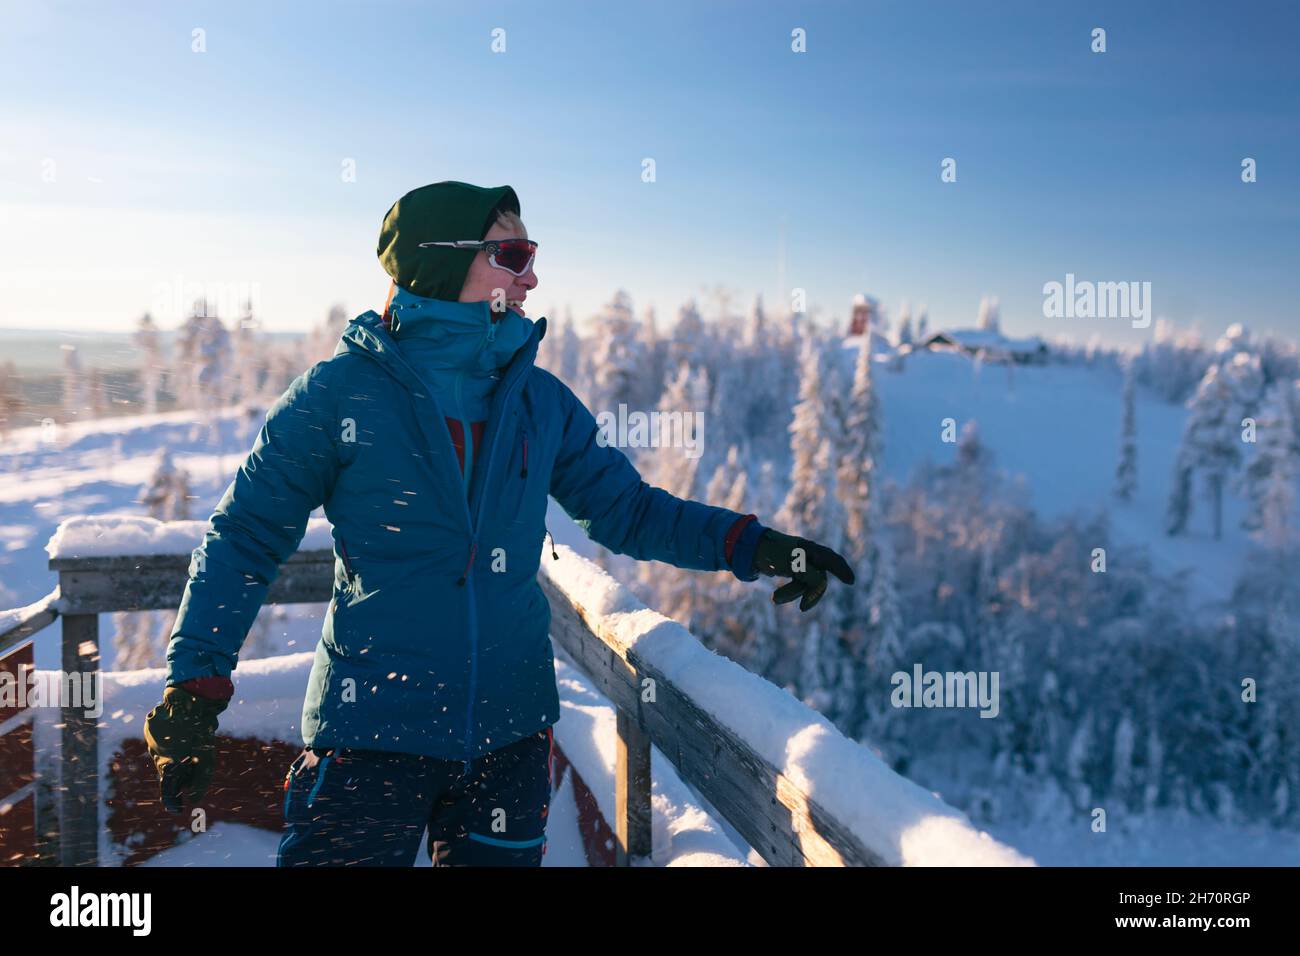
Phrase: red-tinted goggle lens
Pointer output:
(513, 255)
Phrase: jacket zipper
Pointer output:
(466, 577)
(473, 609)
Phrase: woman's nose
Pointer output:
(529, 279)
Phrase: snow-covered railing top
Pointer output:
(790, 783)
(796, 788)
(108, 536)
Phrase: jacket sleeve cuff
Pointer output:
(741, 555)
(212, 688)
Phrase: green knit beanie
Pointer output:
(438, 212)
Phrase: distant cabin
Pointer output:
(989, 345)
(866, 313)
(867, 319)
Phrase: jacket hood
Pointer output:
(367, 335)
(442, 211)
(463, 336)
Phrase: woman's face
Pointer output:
(483, 280)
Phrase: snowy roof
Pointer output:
(880, 345)
(975, 339)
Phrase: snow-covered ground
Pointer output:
(1058, 427)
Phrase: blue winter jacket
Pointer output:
(436, 640)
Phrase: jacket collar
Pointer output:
(440, 335)
(366, 335)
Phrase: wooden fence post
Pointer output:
(632, 790)
(79, 823)
(18, 840)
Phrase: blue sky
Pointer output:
(222, 169)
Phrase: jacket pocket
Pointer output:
(303, 784)
(521, 479)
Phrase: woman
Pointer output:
(433, 442)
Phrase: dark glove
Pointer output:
(778, 554)
(181, 734)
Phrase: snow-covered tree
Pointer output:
(808, 508)
(1271, 475)
(76, 397)
(989, 320)
(1178, 510)
(135, 640)
(570, 351)
(1210, 444)
(656, 357)
(1172, 362)
(813, 677)
(756, 326)
(727, 419)
(856, 487)
(203, 357)
(187, 356)
(812, 511)
(250, 359)
(688, 337)
(100, 399)
(859, 456)
(763, 652)
(561, 354)
(167, 496)
(148, 341)
(11, 397)
(905, 336)
(669, 467)
(616, 358)
(140, 637)
(882, 652)
(1126, 470)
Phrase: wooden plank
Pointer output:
(780, 821)
(17, 665)
(632, 784)
(18, 842)
(150, 584)
(79, 823)
(125, 563)
(22, 630)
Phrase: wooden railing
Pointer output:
(780, 818)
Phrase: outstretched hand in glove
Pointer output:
(787, 556)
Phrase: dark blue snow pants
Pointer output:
(371, 808)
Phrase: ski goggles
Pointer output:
(513, 255)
